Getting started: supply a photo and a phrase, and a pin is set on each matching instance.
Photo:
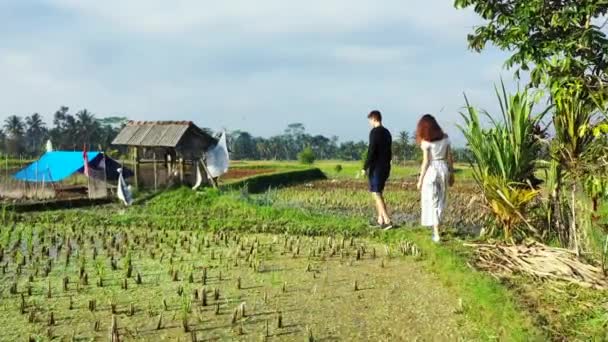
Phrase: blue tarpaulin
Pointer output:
(55, 166)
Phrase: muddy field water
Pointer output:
(464, 214)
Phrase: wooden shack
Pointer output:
(164, 152)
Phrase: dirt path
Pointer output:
(397, 303)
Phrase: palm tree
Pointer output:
(36, 133)
(88, 129)
(14, 128)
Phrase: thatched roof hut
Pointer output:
(178, 145)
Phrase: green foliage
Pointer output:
(307, 156)
(505, 155)
(509, 149)
(573, 119)
(363, 158)
(560, 39)
(261, 183)
(338, 168)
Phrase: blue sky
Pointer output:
(242, 64)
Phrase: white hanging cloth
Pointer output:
(49, 146)
(218, 159)
(199, 176)
(123, 192)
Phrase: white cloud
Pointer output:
(357, 54)
(254, 65)
(437, 17)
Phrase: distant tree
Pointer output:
(307, 156)
(2, 141)
(403, 149)
(64, 129)
(14, 128)
(88, 129)
(243, 145)
(36, 134)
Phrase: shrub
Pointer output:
(505, 157)
(307, 156)
(338, 168)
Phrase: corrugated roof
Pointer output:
(154, 133)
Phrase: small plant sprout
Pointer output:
(186, 309)
(204, 296)
(114, 336)
(235, 316)
(159, 322)
(113, 303)
(22, 305)
(51, 319)
(242, 309)
(217, 308)
(356, 286)
(13, 289)
(279, 320)
(310, 335)
(238, 283)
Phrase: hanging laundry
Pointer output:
(218, 159)
(124, 191)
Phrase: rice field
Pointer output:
(293, 263)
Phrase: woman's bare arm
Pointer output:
(450, 159)
(424, 166)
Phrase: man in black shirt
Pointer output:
(378, 164)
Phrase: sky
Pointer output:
(247, 65)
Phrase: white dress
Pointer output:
(434, 187)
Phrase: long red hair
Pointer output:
(428, 129)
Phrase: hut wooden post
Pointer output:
(181, 170)
(155, 168)
(136, 166)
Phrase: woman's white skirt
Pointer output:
(434, 191)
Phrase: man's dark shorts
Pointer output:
(377, 179)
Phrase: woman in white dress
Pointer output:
(436, 172)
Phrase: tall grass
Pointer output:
(505, 155)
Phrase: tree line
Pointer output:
(27, 136)
(287, 146)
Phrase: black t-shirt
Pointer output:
(379, 153)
